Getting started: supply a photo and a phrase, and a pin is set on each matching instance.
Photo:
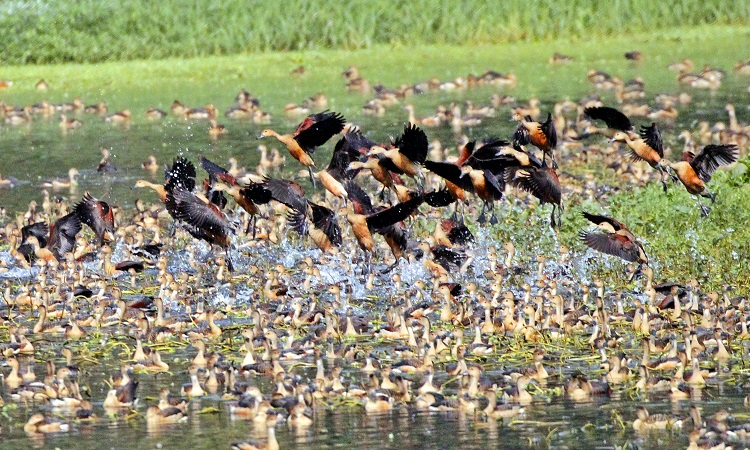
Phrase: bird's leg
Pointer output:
(554, 161)
(230, 266)
(710, 196)
(663, 177)
(482, 218)
(635, 273)
(381, 194)
(672, 174)
(389, 268)
(704, 209)
(493, 218)
(312, 176)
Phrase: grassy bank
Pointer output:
(45, 31)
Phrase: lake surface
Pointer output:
(40, 151)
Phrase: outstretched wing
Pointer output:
(62, 236)
(40, 230)
(288, 192)
(450, 172)
(325, 125)
(614, 118)
(548, 128)
(652, 136)
(181, 174)
(212, 168)
(324, 220)
(361, 202)
(394, 214)
(413, 144)
(195, 212)
(541, 182)
(521, 136)
(597, 219)
(612, 244)
(711, 157)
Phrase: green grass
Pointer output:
(45, 31)
(680, 243)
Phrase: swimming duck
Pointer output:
(71, 182)
(69, 123)
(121, 117)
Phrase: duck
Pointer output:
(542, 135)
(695, 171)
(685, 65)
(503, 411)
(532, 110)
(615, 239)
(121, 117)
(648, 147)
(160, 416)
(270, 444)
(559, 58)
(378, 402)
(428, 121)
(105, 165)
(247, 197)
(216, 129)
(409, 151)
(38, 423)
(646, 422)
(634, 55)
(150, 164)
(71, 182)
(355, 82)
(207, 112)
(313, 132)
(66, 123)
(194, 388)
(155, 114)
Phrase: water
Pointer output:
(41, 151)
